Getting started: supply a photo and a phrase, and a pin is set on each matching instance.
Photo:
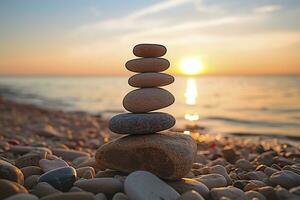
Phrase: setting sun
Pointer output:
(191, 66)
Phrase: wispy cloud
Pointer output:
(190, 26)
(128, 22)
(267, 8)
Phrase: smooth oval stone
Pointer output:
(285, 178)
(230, 192)
(48, 165)
(253, 194)
(100, 185)
(22, 196)
(68, 154)
(30, 159)
(219, 169)
(61, 178)
(31, 181)
(147, 99)
(142, 65)
(212, 180)
(142, 123)
(146, 80)
(191, 195)
(149, 50)
(120, 196)
(31, 170)
(44, 189)
(9, 188)
(70, 196)
(143, 185)
(147, 152)
(187, 184)
(10, 172)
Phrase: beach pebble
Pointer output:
(252, 184)
(44, 189)
(61, 178)
(146, 152)
(149, 50)
(109, 173)
(48, 165)
(212, 180)
(76, 189)
(142, 65)
(68, 154)
(20, 149)
(9, 188)
(10, 172)
(70, 196)
(244, 164)
(229, 154)
(30, 159)
(31, 181)
(230, 192)
(269, 171)
(219, 169)
(120, 196)
(191, 195)
(100, 196)
(142, 123)
(147, 99)
(143, 185)
(22, 196)
(31, 170)
(295, 191)
(100, 185)
(267, 191)
(282, 193)
(285, 178)
(150, 79)
(85, 172)
(255, 195)
(266, 158)
(187, 184)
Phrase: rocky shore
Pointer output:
(50, 155)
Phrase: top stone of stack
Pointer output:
(149, 50)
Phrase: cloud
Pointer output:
(190, 26)
(128, 22)
(267, 8)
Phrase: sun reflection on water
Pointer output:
(191, 95)
(191, 92)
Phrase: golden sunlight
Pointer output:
(191, 66)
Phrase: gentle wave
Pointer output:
(253, 122)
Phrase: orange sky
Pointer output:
(256, 40)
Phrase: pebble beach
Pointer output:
(48, 154)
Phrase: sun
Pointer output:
(191, 66)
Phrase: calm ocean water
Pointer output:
(246, 105)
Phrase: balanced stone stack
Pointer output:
(168, 155)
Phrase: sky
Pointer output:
(94, 37)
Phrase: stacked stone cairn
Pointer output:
(168, 155)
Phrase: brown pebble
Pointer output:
(31, 181)
(31, 170)
(142, 65)
(149, 50)
(146, 80)
(147, 99)
(70, 196)
(9, 188)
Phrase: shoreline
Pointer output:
(78, 124)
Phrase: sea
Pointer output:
(237, 105)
